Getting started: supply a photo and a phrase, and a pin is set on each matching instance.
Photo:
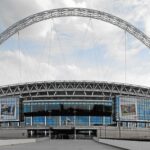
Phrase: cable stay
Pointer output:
(125, 58)
(83, 40)
(84, 37)
(49, 47)
(94, 51)
(20, 64)
(99, 66)
(59, 44)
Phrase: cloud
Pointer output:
(74, 48)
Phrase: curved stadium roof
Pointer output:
(73, 90)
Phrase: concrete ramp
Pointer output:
(125, 144)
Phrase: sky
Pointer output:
(75, 48)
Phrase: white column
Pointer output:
(74, 120)
(89, 117)
(104, 123)
(89, 133)
(45, 133)
(45, 120)
(31, 116)
(89, 120)
(31, 121)
(50, 134)
(75, 136)
(31, 133)
(59, 120)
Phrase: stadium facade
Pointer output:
(74, 103)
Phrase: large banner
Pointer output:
(9, 109)
(128, 109)
(132, 108)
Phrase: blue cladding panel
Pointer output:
(38, 120)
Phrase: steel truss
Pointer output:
(72, 90)
(81, 12)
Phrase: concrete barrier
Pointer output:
(124, 133)
(16, 141)
(13, 133)
(42, 139)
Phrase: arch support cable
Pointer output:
(125, 55)
(19, 67)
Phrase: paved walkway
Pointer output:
(132, 145)
(60, 145)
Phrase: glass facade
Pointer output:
(128, 110)
(58, 112)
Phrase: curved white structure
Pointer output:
(81, 12)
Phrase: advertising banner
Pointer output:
(9, 109)
(132, 108)
(127, 109)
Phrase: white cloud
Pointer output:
(58, 55)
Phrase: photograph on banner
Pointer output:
(128, 109)
(9, 109)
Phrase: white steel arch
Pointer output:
(81, 12)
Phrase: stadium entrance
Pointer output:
(72, 133)
(63, 133)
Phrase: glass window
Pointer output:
(52, 120)
(38, 120)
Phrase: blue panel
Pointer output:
(108, 120)
(67, 120)
(27, 107)
(28, 121)
(83, 120)
(53, 121)
(96, 120)
(38, 120)
(117, 104)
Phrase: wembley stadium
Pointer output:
(63, 105)
(73, 109)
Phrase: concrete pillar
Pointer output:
(75, 136)
(31, 120)
(45, 121)
(59, 120)
(89, 117)
(105, 131)
(31, 133)
(89, 120)
(18, 124)
(74, 120)
(104, 120)
(50, 134)
(98, 133)
(45, 133)
(119, 128)
(89, 133)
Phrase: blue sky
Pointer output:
(74, 48)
